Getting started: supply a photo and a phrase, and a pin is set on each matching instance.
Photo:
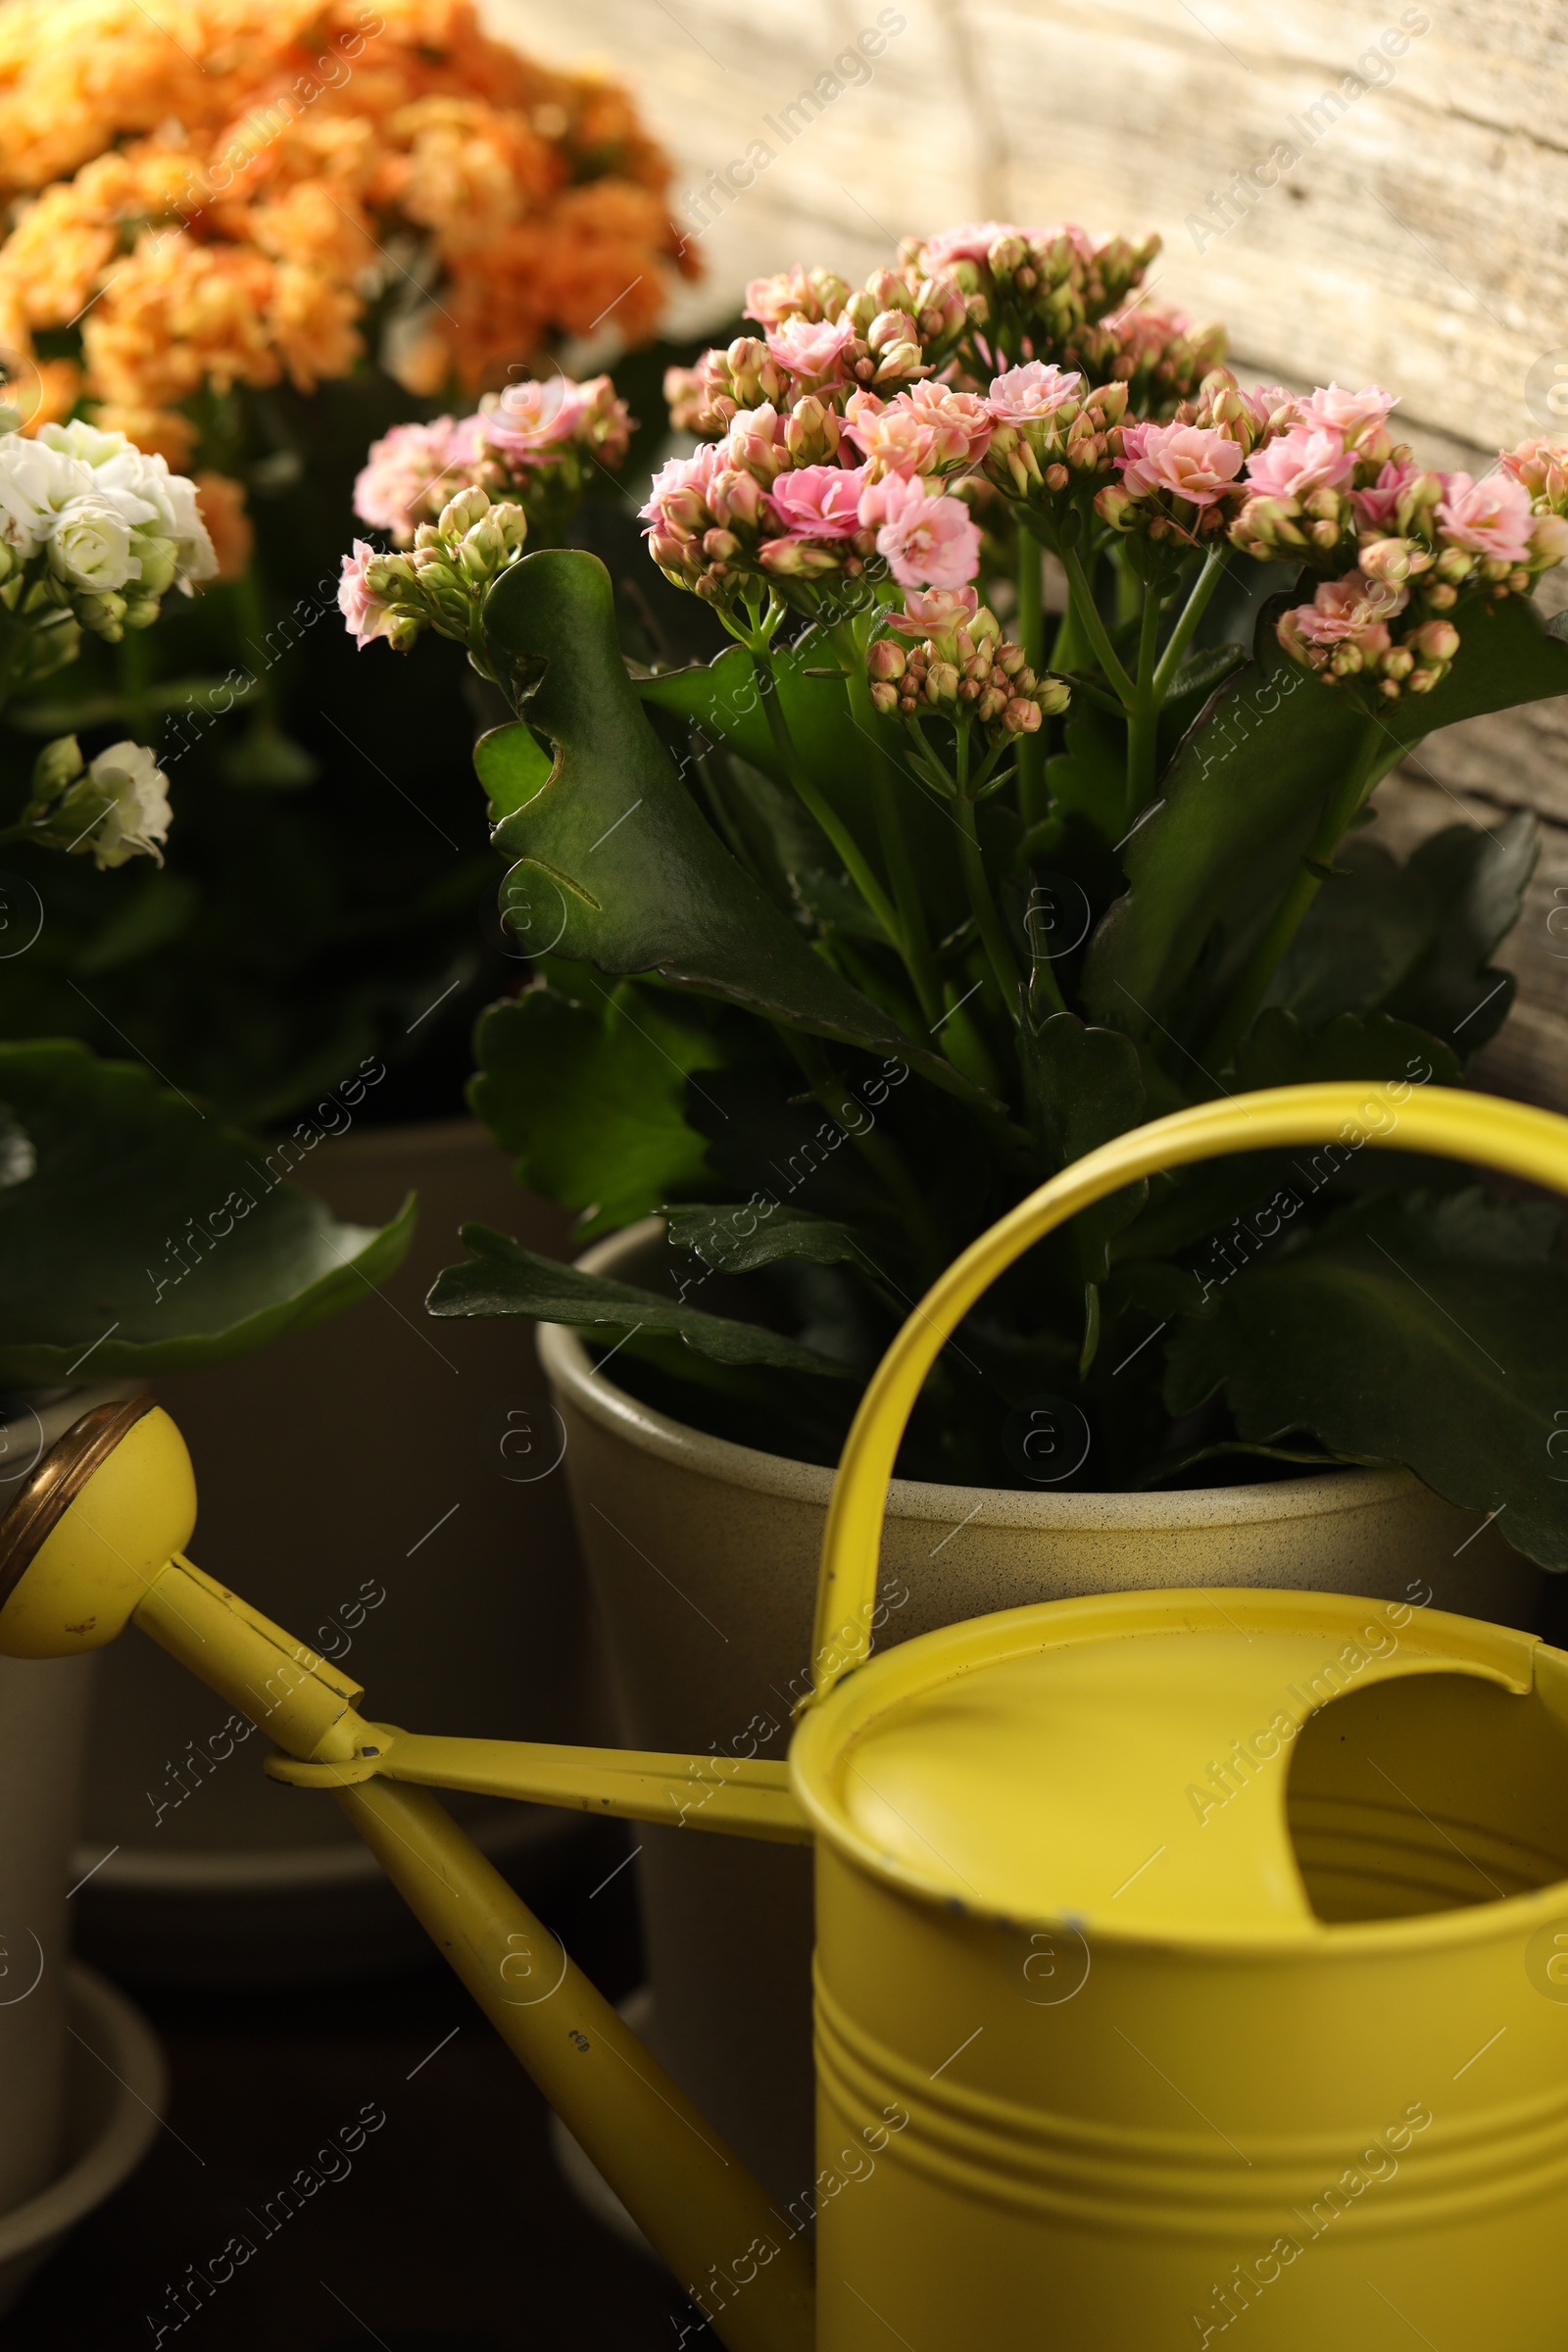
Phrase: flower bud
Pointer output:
(141, 611)
(1435, 640)
(1021, 717)
(942, 682)
(160, 558)
(512, 523)
(884, 696)
(483, 551)
(461, 512)
(1053, 695)
(1115, 506)
(1548, 541)
(1390, 561)
(55, 766)
(886, 660)
(901, 360)
(812, 433)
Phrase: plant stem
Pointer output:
(11, 644)
(914, 942)
(1143, 719)
(1197, 605)
(1032, 637)
(999, 952)
(135, 676)
(1087, 613)
(1364, 772)
(816, 805)
(879, 1151)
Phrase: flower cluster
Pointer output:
(220, 200)
(960, 667)
(778, 502)
(115, 807)
(536, 443)
(966, 306)
(1396, 544)
(442, 584)
(92, 530)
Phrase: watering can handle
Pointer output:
(1512, 1138)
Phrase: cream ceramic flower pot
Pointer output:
(391, 1487)
(43, 1744)
(703, 1559)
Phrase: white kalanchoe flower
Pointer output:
(147, 491)
(35, 484)
(119, 809)
(92, 544)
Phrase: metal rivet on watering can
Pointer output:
(1292, 2057)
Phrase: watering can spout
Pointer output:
(95, 1541)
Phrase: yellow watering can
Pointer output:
(1186, 1962)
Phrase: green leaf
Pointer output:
(1200, 677)
(738, 1238)
(1089, 1089)
(638, 880)
(513, 769)
(1416, 938)
(1280, 1052)
(1089, 777)
(137, 1234)
(588, 1092)
(1250, 784)
(723, 701)
(502, 1278)
(1427, 1331)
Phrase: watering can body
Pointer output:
(1184, 1961)
(1092, 2069)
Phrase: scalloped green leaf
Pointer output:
(139, 1235)
(1427, 1331)
(617, 866)
(1254, 775)
(501, 1278)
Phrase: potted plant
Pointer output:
(256, 243)
(851, 936)
(138, 1233)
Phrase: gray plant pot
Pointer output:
(380, 1452)
(703, 1558)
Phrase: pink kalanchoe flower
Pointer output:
(1035, 389)
(1355, 417)
(934, 611)
(971, 241)
(811, 349)
(678, 492)
(929, 428)
(787, 294)
(368, 617)
(1541, 467)
(926, 542)
(1189, 460)
(538, 420)
(1308, 457)
(891, 435)
(1492, 517)
(1375, 507)
(399, 472)
(1349, 607)
(819, 502)
(1271, 402)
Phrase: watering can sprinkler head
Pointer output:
(96, 1524)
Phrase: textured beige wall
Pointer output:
(1420, 240)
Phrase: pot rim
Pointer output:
(572, 1374)
(129, 2123)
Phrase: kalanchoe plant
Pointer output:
(916, 891)
(136, 1234)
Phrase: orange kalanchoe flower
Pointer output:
(217, 197)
